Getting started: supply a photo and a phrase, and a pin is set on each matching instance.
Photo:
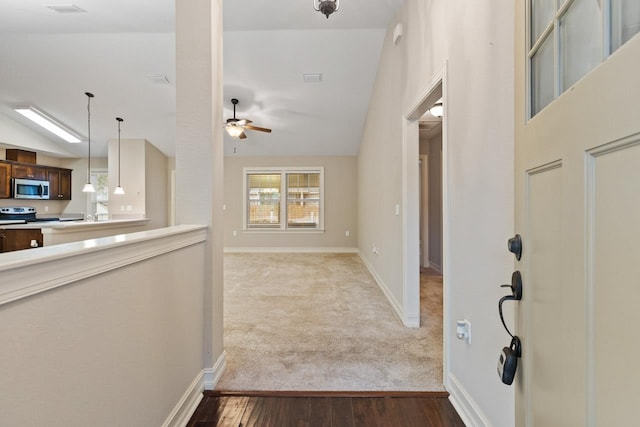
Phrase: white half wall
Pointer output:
(103, 333)
(475, 40)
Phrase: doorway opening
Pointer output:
(425, 228)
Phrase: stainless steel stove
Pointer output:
(24, 213)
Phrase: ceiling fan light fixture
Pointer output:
(437, 110)
(326, 7)
(234, 130)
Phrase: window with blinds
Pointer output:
(301, 209)
(264, 200)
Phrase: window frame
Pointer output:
(283, 226)
(553, 30)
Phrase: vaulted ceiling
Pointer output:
(49, 59)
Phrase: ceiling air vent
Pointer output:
(312, 78)
(158, 78)
(65, 8)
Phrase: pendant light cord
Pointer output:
(119, 121)
(89, 96)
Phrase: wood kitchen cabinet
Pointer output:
(5, 180)
(16, 240)
(59, 183)
(28, 172)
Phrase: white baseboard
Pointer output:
(435, 267)
(383, 286)
(468, 410)
(186, 406)
(212, 375)
(330, 250)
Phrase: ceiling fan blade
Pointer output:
(257, 128)
(242, 135)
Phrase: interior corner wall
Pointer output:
(475, 41)
(156, 169)
(340, 176)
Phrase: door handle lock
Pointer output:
(516, 285)
(514, 245)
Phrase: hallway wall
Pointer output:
(475, 41)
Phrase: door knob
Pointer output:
(515, 246)
(516, 285)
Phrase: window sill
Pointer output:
(278, 231)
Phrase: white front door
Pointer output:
(578, 211)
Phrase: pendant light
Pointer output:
(88, 187)
(119, 189)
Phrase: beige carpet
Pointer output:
(319, 322)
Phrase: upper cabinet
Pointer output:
(59, 183)
(22, 164)
(5, 180)
(28, 172)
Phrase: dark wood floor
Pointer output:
(338, 411)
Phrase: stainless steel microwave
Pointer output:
(30, 189)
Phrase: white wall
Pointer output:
(143, 175)
(116, 345)
(199, 149)
(475, 40)
(340, 181)
(78, 202)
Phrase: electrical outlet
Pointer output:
(374, 250)
(346, 233)
(235, 233)
(46, 208)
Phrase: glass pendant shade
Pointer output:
(118, 190)
(88, 188)
(234, 131)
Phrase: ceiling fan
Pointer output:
(235, 127)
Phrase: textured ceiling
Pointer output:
(50, 59)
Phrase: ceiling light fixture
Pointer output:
(88, 187)
(234, 130)
(437, 110)
(48, 122)
(326, 7)
(119, 189)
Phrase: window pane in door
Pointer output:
(542, 87)
(625, 21)
(264, 200)
(303, 200)
(542, 13)
(580, 41)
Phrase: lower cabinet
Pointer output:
(18, 239)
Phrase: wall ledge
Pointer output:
(33, 271)
(254, 249)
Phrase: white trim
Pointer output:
(284, 171)
(207, 379)
(464, 405)
(30, 272)
(186, 406)
(385, 290)
(258, 250)
(435, 266)
(212, 375)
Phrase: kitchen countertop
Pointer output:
(68, 224)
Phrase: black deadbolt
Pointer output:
(515, 246)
